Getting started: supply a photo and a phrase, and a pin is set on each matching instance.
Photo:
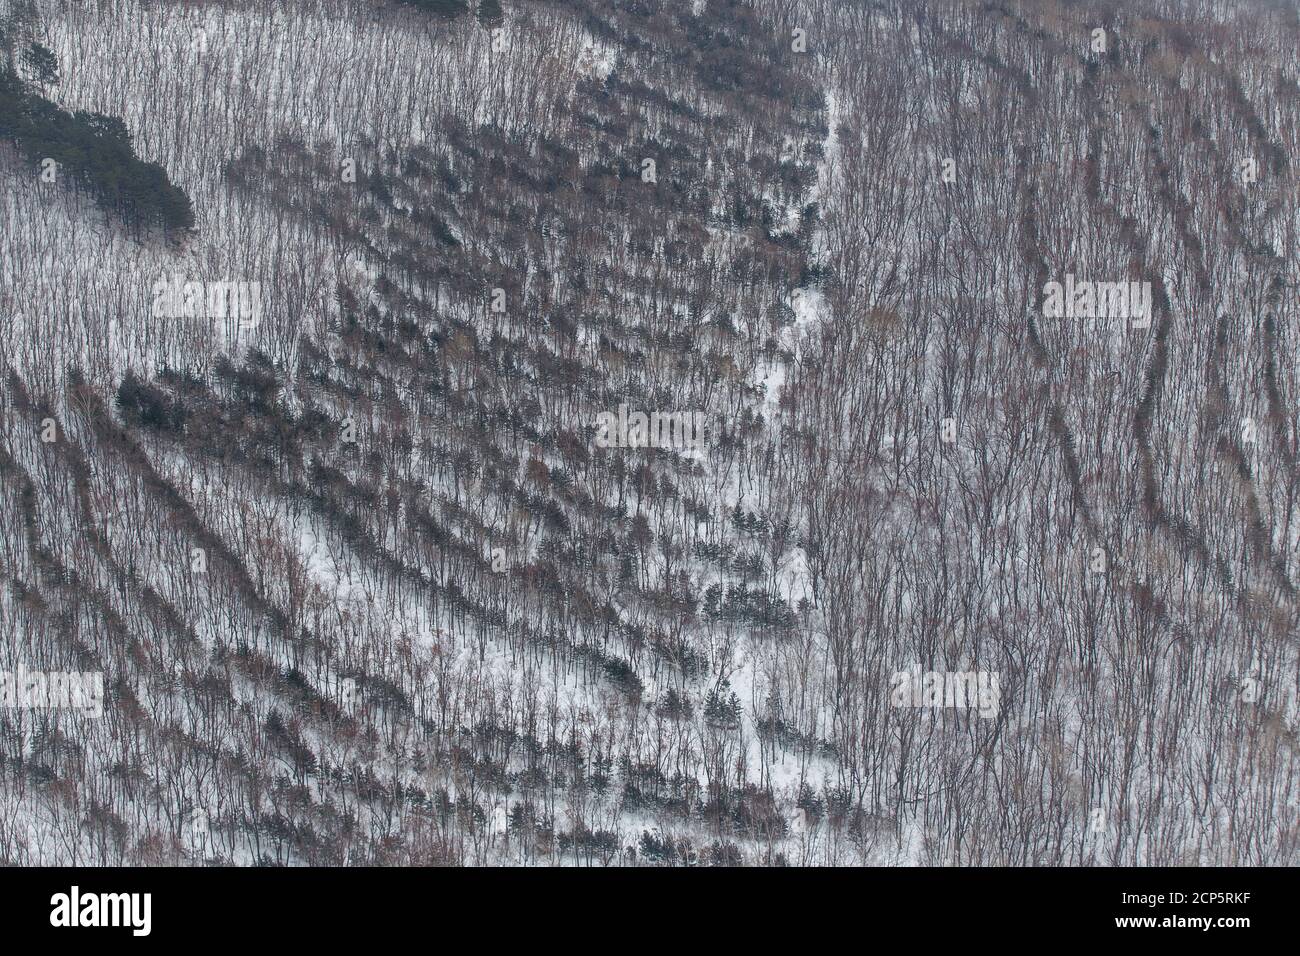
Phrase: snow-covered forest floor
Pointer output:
(366, 584)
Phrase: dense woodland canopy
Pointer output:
(364, 588)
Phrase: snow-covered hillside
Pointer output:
(426, 559)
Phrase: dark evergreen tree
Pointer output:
(145, 405)
(43, 63)
(490, 13)
(447, 9)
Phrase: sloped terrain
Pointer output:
(363, 578)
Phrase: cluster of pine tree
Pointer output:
(94, 149)
(489, 12)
